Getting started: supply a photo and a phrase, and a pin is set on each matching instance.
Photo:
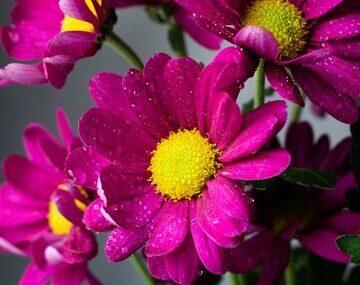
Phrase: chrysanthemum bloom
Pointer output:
(198, 33)
(313, 216)
(170, 145)
(51, 36)
(41, 214)
(317, 42)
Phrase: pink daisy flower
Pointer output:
(198, 33)
(41, 214)
(51, 37)
(314, 42)
(166, 149)
(314, 217)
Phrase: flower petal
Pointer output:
(344, 222)
(281, 81)
(170, 231)
(214, 257)
(260, 41)
(316, 8)
(94, 219)
(259, 166)
(323, 243)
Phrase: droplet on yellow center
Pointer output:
(284, 20)
(70, 24)
(182, 163)
(58, 224)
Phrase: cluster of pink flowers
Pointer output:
(167, 163)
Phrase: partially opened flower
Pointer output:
(169, 146)
(50, 37)
(41, 214)
(198, 33)
(316, 42)
(313, 216)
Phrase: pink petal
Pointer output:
(214, 257)
(323, 243)
(316, 8)
(259, 166)
(170, 231)
(344, 222)
(157, 268)
(94, 219)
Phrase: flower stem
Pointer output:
(290, 275)
(141, 268)
(124, 50)
(260, 84)
(177, 39)
(236, 279)
(296, 113)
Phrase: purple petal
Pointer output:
(259, 166)
(122, 243)
(114, 138)
(208, 212)
(344, 222)
(180, 77)
(83, 166)
(324, 96)
(316, 8)
(337, 159)
(259, 41)
(157, 268)
(323, 243)
(28, 177)
(276, 262)
(94, 219)
(64, 128)
(214, 257)
(34, 275)
(170, 231)
(250, 253)
(28, 74)
(70, 274)
(77, 9)
(183, 264)
(281, 81)
(79, 246)
(226, 121)
(198, 33)
(229, 197)
(251, 139)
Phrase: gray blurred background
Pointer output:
(20, 105)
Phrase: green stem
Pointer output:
(177, 39)
(260, 84)
(124, 50)
(236, 279)
(296, 113)
(290, 275)
(141, 268)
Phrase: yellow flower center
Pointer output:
(284, 20)
(58, 224)
(70, 24)
(182, 163)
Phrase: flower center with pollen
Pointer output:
(284, 21)
(58, 224)
(182, 163)
(70, 24)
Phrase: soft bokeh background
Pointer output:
(20, 105)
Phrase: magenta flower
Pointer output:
(169, 146)
(41, 215)
(51, 37)
(198, 33)
(317, 42)
(314, 217)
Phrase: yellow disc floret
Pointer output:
(284, 20)
(72, 24)
(182, 163)
(58, 224)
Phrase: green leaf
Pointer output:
(247, 107)
(351, 245)
(310, 178)
(176, 38)
(353, 200)
(262, 184)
